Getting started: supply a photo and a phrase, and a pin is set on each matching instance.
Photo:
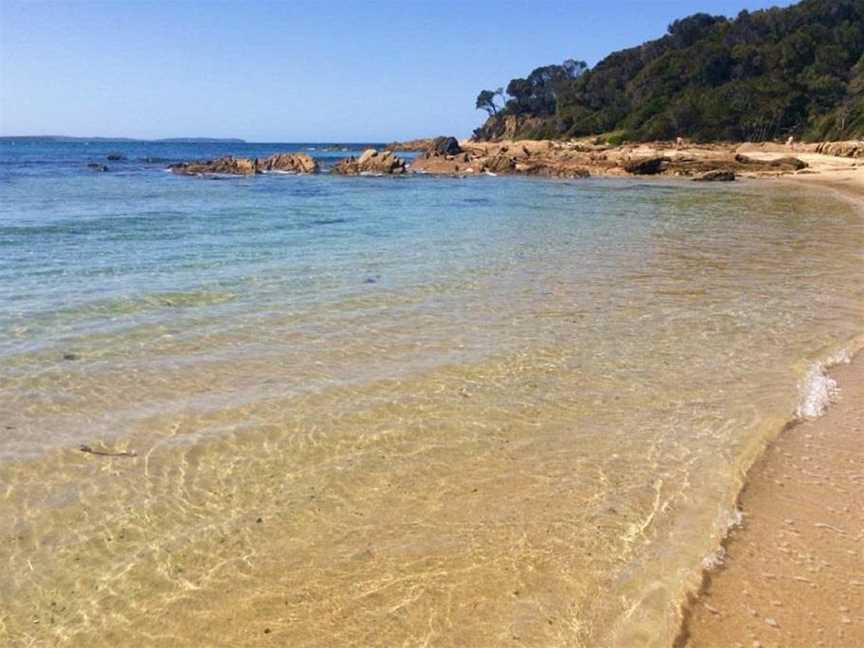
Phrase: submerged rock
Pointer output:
(115, 157)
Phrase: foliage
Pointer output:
(486, 101)
(763, 75)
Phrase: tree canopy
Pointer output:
(762, 75)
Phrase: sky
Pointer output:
(296, 71)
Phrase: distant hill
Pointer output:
(171, 140)
(763, 75)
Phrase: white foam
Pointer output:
(727, 522)
(818, 390)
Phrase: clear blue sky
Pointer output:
(371, 70)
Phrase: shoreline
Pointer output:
(791, 572)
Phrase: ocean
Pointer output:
(390, 411)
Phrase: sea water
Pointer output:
(389, 411)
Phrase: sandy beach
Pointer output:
(793, 572)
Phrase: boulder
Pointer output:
(645, 166)
(444, 146)
(500, 163)
(782, 164)
(228, 165)
(371, 162)
(289, 162)
(718, 175)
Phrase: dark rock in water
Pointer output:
(70, 356)
(95, 166)
(718, 175)
(646, 166)
(445, 146)
(115, 157)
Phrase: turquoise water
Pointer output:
(465, 411)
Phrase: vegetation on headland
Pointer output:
(764, 75)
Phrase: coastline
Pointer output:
(791, 573)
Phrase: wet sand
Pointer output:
(793, 572)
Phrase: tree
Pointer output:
(763, 75)
(486, 101)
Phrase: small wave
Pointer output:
(717, 558)
(818, 390)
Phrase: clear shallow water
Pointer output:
(465, 412)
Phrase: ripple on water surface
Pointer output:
(367, 412)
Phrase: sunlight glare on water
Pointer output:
(371, 411)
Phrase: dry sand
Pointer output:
(793, 575)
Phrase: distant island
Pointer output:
(167, 140)
(764, 75)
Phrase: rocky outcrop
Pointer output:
(518, 158)
(444, 146)
(782, 164)
(371, 162)
(229, 165)
(501, 162)
(420, 145)
(851, 149)
(645, 166)
(289, 162)
(284, 162)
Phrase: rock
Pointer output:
(115, 157)
(289, 162)
(371, 162)
(228, 164)
(419, 145)
(782, 164)
(851, 149)
(500, 163)
(718, 175)
(645, 166)
(792, 163)
(445, 146)
(95, 166)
